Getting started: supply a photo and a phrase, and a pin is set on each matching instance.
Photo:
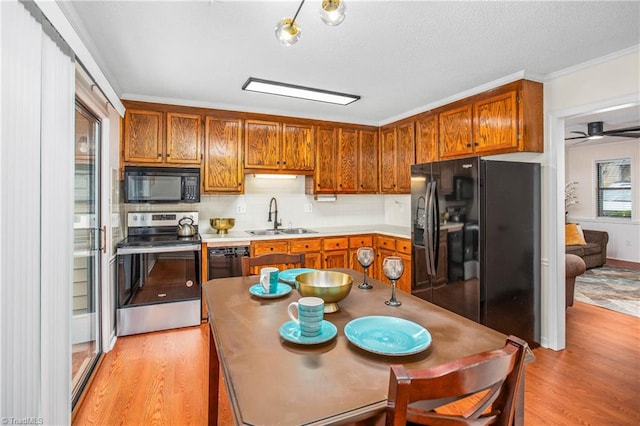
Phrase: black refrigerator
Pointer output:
(476, 241)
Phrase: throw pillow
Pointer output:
(573, 236)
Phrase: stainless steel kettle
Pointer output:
(186, 228)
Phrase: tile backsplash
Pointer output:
(295, 208)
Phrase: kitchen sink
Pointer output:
(264, 232)
(297, 231)
(288, 231)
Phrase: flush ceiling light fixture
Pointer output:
(332, 12)
(301, 92)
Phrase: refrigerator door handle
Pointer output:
(428, 234)
(436, 234)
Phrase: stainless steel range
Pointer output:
(159, 283)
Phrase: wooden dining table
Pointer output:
(272, 381)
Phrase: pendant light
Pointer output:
(333, 12)
(287, 31)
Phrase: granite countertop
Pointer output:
(238, 237)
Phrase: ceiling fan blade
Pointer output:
(580, 133)
(623, 135)
(626, 129)
(577, 137)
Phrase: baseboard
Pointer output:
(623, 263)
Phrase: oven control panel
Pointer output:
(146, 219)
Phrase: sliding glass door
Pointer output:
(88, 240)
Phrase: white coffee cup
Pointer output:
(310, 312)
(269, 279)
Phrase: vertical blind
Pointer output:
(36, 213)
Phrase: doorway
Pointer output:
(89, 239)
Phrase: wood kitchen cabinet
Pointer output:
(161, 136)
(222, 171)
(403, 251)
(355, 242)
(389, 246)
(346, 161)
(278, 146)
(456, 132)
(427, 138)
(143, 136)
(324, 180)
(184, 138)
(262, 144)
(367, 161)
(335, 252)
(502, 120)
(312, 249)
(396, 157)
(269, 246)
(298, 147)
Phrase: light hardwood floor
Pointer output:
(161, 378)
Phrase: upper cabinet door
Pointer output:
(427, 139)
(388, 169)
(298, 147)
(143, 136)
(347, 160)
(223, 156)
(368, 161)
(456, 132)
(262, 144)
(184, 138)
(405, 158)
(496, 123)
(325, 174)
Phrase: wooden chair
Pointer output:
(252, 265)
(495, 376)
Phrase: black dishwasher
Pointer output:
(224, 262)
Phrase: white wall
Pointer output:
(624, 234)
(607, 82)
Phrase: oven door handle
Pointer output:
(158, 249)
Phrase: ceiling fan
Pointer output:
(595, 130)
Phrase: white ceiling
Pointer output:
(402, 57)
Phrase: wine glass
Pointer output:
(393, 268)
(365, 257)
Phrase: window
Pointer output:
(614, 188)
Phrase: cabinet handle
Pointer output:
(468, 145)
(168, 154)
(239, 183)
(284, 162)
(159, 155)
(476, 143)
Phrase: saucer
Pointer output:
(290, 331)
(289, 275)
(258, 291)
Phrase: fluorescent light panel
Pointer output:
(301, 92)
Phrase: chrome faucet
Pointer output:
(274, 203)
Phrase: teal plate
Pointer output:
(258, 291)
(289, 275)
(387, 335)
(290, 331)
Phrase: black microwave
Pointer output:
(161, 185)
